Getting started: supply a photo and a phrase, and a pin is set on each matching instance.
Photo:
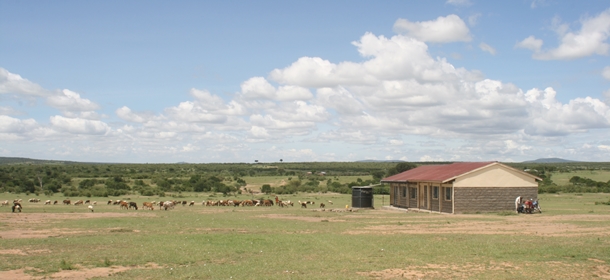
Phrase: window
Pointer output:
(448, 194)
(435, 192)
(404, 192)
(413, 193)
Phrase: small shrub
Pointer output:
(65, 265)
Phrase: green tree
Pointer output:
(266, 188)
(404, 166)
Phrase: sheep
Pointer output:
(90, 208)
(17, 206)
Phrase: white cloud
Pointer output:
(289, 93)
(260, 133)
(589, 40)
(606, 95)
(192, 112)
(257, 88)
(551, 118)
(207, 100)
(9, 111)
(487, 48)
(316, 72)
(396, 93)
(530, 43)
(67, 100)
(126, 114)
(606, 73)
(14, 84)
(14, 125)
(474, 19)
(442, 30)
(79, 126)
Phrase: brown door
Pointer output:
(423, 197)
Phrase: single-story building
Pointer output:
(461, 187)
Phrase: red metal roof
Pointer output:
(437, 173)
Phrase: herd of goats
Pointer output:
(166, 205)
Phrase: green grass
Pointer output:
(563, 179)
(278, 243)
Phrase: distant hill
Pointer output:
(374, 160)
(549, 160)
(19, 160)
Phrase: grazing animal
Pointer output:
(34, 200)
(109, 202)
(90, 208)
(66, 201)
(5, 203)
(94, 203)
(133, 204)
(55, 202)
(124, 204)
(78, 202)
(184, 202)
(303, 204)
(148, 205)
(17, 206)
(168, 205)
(322, 205)
(331, 203)
(48, 202)
(87, 201)
(192, 203)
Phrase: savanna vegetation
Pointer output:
(102, 180)
(568, 241)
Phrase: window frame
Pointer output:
(435, 192)
(413, 193)
(448, 194)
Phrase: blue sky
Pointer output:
(235, 81)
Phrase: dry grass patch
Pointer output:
(508, 270)
(537, 225)
(76, 274)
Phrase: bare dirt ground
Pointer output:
(80, 273)
(16, 224)
(561, 270)
(538, 225)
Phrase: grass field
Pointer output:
(563, 179)
(570, 240)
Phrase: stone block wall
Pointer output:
(492, 199)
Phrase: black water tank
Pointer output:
(362, 197)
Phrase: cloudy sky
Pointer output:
(238, 81)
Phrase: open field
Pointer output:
(571, 239)
(563, 179)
